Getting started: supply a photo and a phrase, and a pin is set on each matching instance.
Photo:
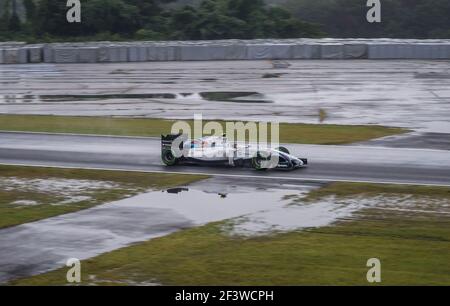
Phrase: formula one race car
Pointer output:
(213, 150)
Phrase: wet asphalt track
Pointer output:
(327, 163)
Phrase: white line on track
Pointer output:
(302, 179)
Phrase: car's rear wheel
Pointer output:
(168, 158)
(283, 149)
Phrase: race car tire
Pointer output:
(283, 149)
(256, 162)
(168, 158)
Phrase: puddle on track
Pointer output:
(237, 97)
(223, 96)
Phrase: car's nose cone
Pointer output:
(296, 162)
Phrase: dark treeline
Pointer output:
(147, 19)
(222, 19)
(400, 18)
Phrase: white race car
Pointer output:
(213, 150)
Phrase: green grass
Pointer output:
(352, 189)
(413, 249)
(289, 133)
(128, 184)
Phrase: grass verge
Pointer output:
(413, 249)
(48, 201)
(352, 189)
(289, 133)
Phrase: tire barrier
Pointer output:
(287, 49)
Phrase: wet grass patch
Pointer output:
(30, 193)
(366, 189)
(289, 132)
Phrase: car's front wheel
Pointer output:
(258, 162)
(283, 150)
(168, 158)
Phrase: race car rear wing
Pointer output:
(167, 141)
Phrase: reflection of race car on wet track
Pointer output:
(213, 150)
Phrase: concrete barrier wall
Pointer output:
(331, 49)
(88, 55)
(306, 51)
(48, 54)
(117, 54)
(65, 54)
(137, 53)
(409, 51)
(355, 51)
(34, 53)
(14, 55)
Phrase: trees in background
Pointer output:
(400, 18)
(244, 19)
(222, 19)
(147, 19)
